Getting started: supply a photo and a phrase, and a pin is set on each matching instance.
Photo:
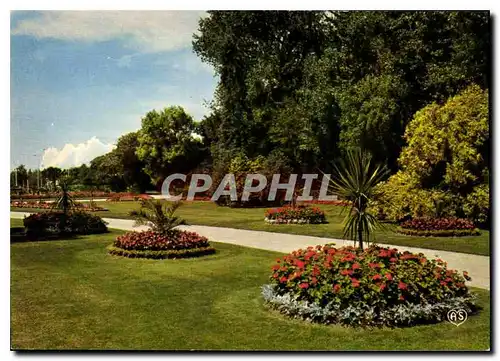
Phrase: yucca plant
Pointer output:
(354, 180)
(65, 201)
(158, 215)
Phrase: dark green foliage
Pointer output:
(56, 224)
(314, 84)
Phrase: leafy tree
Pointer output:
(52, 174)
(166, 143)
(129, 164)
(355, 180)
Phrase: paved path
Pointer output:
(477, 266)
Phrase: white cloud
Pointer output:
(145, 31)
(75, 155)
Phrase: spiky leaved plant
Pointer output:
(65, 201)
(354, 180)
(158, 215)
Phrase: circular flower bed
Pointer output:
(438, 227)
(375, 287)
(300, 215)
(150, 244)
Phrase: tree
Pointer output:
(129, 164)
(445, 162)
(52, 174)
(355, 180)
(166, 143)
(259, 57)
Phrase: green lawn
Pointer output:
(72, 295)
(209, 214)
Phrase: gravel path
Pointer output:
(477, 266)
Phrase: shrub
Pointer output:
(374, 287)
(151, 244)
(445, 161)
(438, 227)
(300, 214)
(39, 225)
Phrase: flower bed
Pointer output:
(121, 197)
(375, 287)
(78, 194)
(438, 227)
(49, 205)
(300, 215)
(150, 244)
(337, 202)
(48, 224)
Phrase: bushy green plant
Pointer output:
(355, 287)
(444, 167)
(158, 214)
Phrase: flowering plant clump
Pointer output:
(438, 227)
(49, 205)
(374, 287)
(299, 214)
(151, 244)
(120, 197)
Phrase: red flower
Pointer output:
(336, 288)
(393, 260)
(388, 276)
(275, 275)
(299, 264)
(373, 265)
(316, 271)
(276, 267)
(402, 285)
(401, 298)
(346, 272)
(382, 286)
(356, 266)
(377, 277)
(314, 280)
(443, 283)
(283, 279)
(355, 282)
(304, 285)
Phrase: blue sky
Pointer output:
(79, 80)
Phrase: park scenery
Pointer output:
(250, 180)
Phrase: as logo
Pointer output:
(457, 317)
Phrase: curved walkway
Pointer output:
(477, 266)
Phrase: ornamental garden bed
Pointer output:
(122, 197)
(154, 245)
(301, 214)
(374, 287)
(438, 227)
(56, 224)
(50, 205)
